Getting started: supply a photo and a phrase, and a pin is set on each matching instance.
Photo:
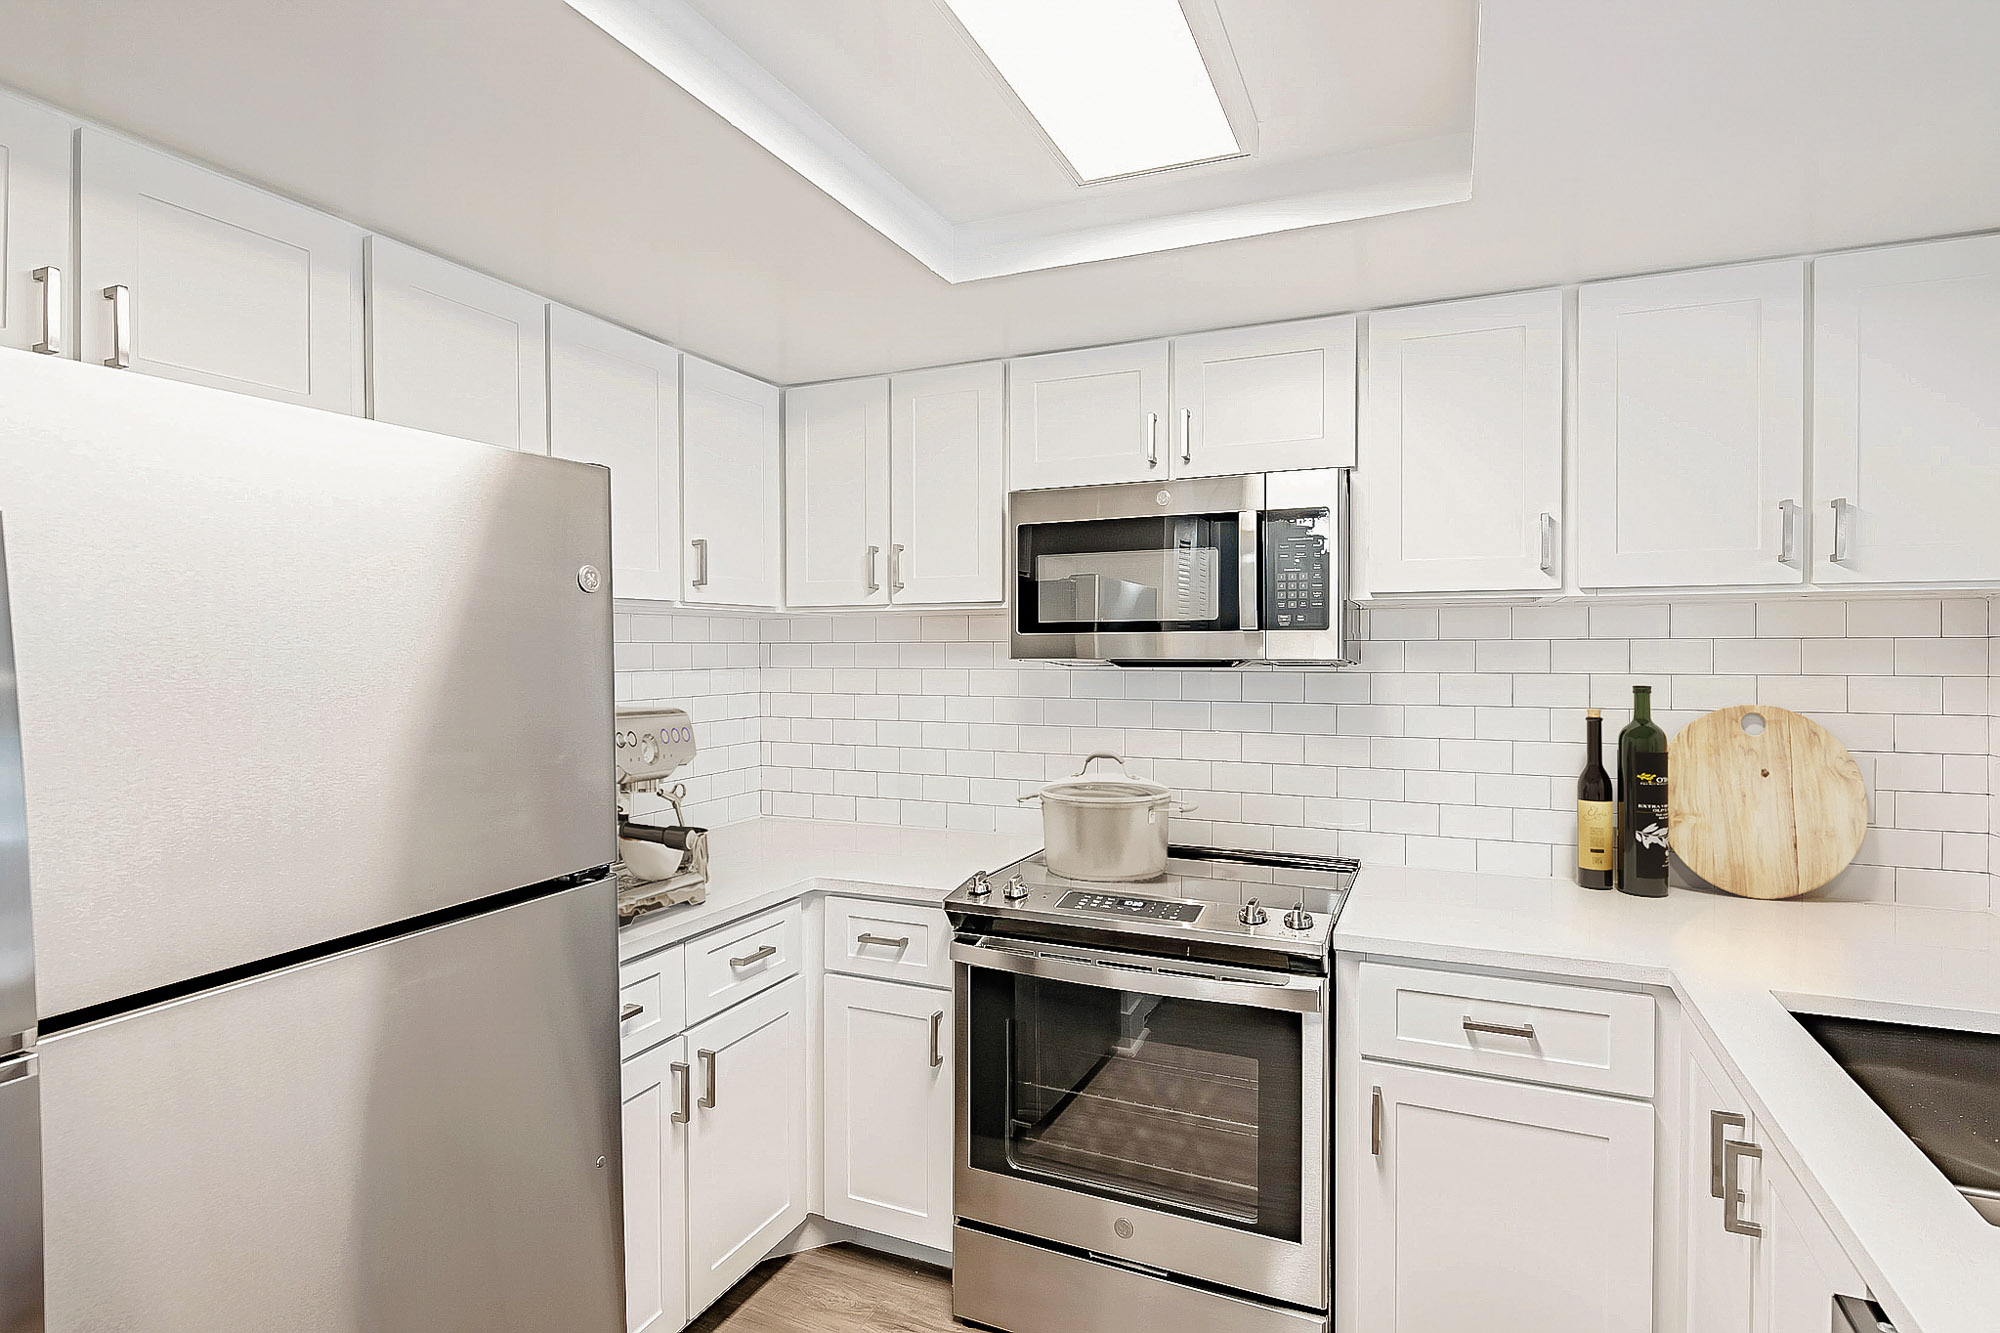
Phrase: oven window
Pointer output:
(1183, 1106)
(1128, 575)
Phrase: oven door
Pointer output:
(1172, 1120)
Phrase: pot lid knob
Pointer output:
(1253, 913)
(1016, 890)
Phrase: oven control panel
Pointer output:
(1297, 568)
(1118, 904)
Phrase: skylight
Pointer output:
(1118, 85)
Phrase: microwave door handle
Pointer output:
(1249, 523)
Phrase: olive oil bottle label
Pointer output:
(1649, 814)
(1596, 835)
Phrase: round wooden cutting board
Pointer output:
(1770, 811)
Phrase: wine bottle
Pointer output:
(1642, 801)
(1596, 813)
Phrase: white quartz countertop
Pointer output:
(1739, 968)
(760, 863)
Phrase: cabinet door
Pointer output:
(1460, 485)
(37, 279)
(837, 493)
(1086, 418)
(615, 399)
(888, 1114)
(1691, 428)
(1721, 1264)
(1804, 1266)
(1502, 1207)
(948, 487)
(1906, 413)
(454, 351)
(656, 1093)
(730, 481)
(1269, 399)
(220, 283)
(747, 1145)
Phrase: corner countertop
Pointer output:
(760, 863)
(1739, 968)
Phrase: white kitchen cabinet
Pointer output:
(1804, 1266)
(730, 487)
(1720, 1264)
(37, 275)
(747, 1140)
(837, 493)
(1691, 428)
(194, 276)
(948, 485)
(1089, 417)
(1906, 414)
(1269, 399)
(454, 351)
(1501, 1206)
(887, 1108)
(615, 399)
(655, 1132)
(1460, 486)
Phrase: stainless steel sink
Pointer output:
(1941, 1086)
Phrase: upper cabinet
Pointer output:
(1460, 487)
(1269, 399)
(837, 493)
(948, 485)
(1087, 418)
(36, 272)
(730, 486)
(194, 276)
(1906, 413)
(454, 351)
(615, 399)
(1691, 428)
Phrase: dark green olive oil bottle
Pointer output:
(1642, 801)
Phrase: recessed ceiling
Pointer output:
(909, 114)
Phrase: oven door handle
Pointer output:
(1300, 995)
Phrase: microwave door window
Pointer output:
(1138, 575)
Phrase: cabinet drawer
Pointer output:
(1571, 1036)
(894, 941)
(657, 984)
(738, 961)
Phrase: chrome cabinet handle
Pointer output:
(874, 555)
(937, 1046)
(700, 579)
(52, 306)
(1788, 532)
(1525, 1031)
(707, 1059)
(886, 941)
(120, 297)
(755, 956)
(895, 567)
(1548, 529)
(1187, 435)
(1152, 439)
(1375, 1125)
(684, 1088)
(630, 1012)
(1733, 1199)
(1719, 1125)
(1843, 523)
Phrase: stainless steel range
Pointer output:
(1142, 1089)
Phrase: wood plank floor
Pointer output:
(839, 1289)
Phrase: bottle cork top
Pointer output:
(1595, 712)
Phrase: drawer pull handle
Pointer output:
(755, 956)
(1733, 1221)
(630, 1012)
(1525, 1031)
(1375, 1125)
(937, 1050)
(1719, 1125)
(707, 1059)
(683, 1112)
(886, 941)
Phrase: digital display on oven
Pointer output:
(1119, 904)
(1297, 568)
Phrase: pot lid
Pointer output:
(1086, 790)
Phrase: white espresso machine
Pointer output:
(660, 864)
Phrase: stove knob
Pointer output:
(1299, 918)
(1253, 914)
(980, 886)
(1016, 890)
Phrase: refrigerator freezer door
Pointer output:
(286, 675)
(20, 1197)
(17, 943)
(419, 1136)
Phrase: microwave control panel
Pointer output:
(1298, 570)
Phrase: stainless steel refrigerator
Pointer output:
(317, 1029)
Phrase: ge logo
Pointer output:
(1123, 1228)
(1164, 497)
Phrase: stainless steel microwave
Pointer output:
(1209, 571)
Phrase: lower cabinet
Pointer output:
(655, 1090)
(746, 1166)
(1501, 1206)
(888, 1108)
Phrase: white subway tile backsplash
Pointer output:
(1916, 617)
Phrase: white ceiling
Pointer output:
(511, 135)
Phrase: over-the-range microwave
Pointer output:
(1209, 571)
